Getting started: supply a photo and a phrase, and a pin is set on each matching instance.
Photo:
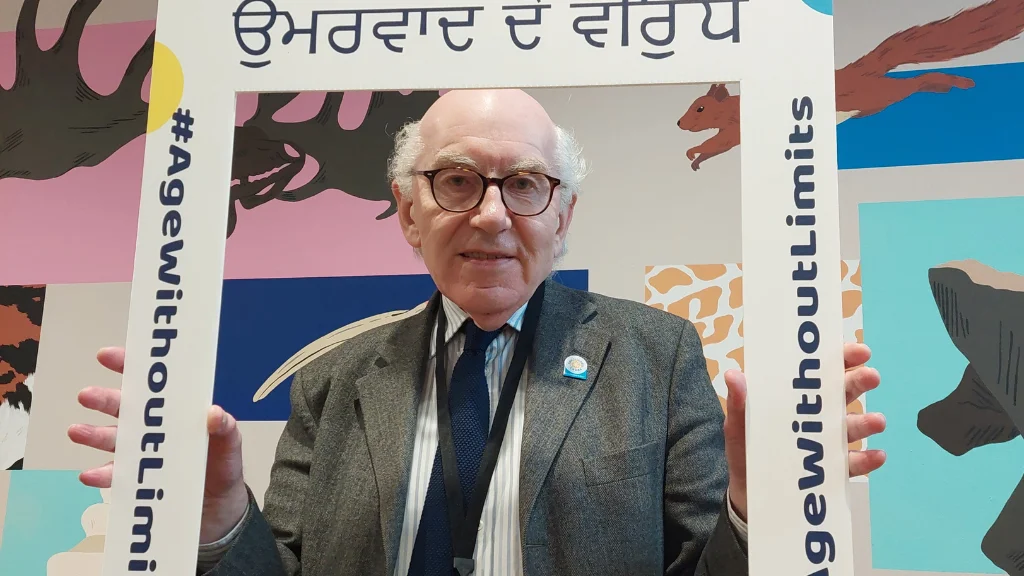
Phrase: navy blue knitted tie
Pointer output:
(469, 405)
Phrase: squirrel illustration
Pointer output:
(862, 87)
(716, 109)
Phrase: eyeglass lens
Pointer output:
(458, 190)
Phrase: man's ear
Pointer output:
(405, 216)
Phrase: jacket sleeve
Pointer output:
(700, 539)
(270, 541)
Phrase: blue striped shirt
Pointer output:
(498, 550)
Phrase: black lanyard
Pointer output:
(464, 525)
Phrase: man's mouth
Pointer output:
(483, 256)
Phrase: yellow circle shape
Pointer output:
(166, 85)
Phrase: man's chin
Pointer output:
(487, 297)
(496, 294)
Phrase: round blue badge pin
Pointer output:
(575, 367)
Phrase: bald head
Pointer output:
(462, 106)
(460, 125)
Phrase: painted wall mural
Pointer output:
(982, 310)
(930, 159)
(21, 317)
(875, 82)
(711, 296)
(100, 75)
(38, 142)
(943, 312)
(270, 154)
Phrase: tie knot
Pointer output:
(476, 339)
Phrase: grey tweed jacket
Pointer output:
(622, 473)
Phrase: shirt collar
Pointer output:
(456, 317)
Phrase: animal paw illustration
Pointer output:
(52, 121)
(351, 161)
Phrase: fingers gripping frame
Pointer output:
(781, 51)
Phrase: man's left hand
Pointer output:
(859, 379)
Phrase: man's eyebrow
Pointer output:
(446, 159)
(529, 165)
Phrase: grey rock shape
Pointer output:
(982, 310)
(1004, 542)
(970, 417)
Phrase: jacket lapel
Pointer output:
(389, 396)
(568, 326)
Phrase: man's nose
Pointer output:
(492, 216)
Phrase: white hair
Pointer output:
(570, 166)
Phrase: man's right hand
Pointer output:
(225, 497)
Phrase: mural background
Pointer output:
(926, 113)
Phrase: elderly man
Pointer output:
(576, 434)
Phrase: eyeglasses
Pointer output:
(462, 189)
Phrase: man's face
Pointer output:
(488, 260)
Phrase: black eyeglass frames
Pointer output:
(462, 189)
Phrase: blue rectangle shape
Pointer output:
(930, 509)
(978, 124)
(265, 321)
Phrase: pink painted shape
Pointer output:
(310, 167)
(78, 228)
(351, 113)
(330, 234)
(354, 106)
(81, 227)
(245, 106)
(301, 108)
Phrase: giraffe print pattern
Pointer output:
(711, 296)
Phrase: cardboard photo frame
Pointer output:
(781, 53)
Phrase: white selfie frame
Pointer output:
(781, 53)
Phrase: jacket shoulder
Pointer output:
(639, 319)
(651, 333)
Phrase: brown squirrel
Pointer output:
(862, 87)
(716, 109)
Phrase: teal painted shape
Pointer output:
(930, 509)
(823, 6)
(44, 517)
